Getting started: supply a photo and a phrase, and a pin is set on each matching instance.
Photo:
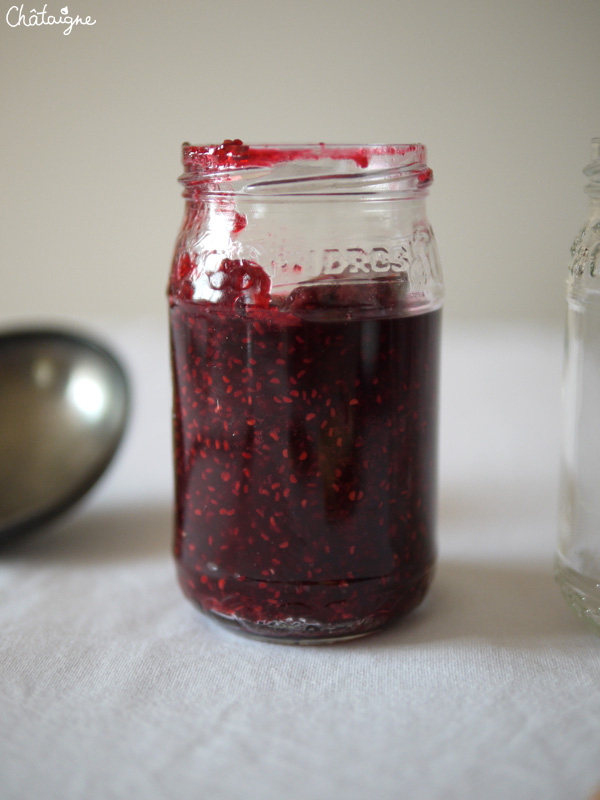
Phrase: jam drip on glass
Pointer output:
(305, 452)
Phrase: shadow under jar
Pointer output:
(305, 299)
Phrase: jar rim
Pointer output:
(305, 169)
(235, 152)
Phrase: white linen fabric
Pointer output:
(113, 686)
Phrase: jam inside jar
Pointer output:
(305, 302)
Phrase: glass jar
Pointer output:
(305, 300)
(578, 553)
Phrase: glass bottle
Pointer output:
(305, 299)
(578, 553)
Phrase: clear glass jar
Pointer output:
(305, 300)
(578, 554)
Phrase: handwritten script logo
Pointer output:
(15, 17)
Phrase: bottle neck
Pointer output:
(592, 171)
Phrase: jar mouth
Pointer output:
(262, 170)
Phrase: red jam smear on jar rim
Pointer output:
(233, 154)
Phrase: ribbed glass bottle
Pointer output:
(578, 553)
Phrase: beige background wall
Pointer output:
(504, 94)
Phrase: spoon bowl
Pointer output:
(64, 403)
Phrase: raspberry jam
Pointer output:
(305, 428)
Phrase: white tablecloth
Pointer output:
(114, 686)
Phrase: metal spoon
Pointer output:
(64, 403)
